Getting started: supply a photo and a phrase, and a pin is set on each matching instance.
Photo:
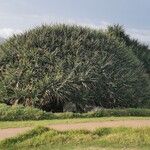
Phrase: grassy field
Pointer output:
(14, 124)
(43, 138)
(110, 138)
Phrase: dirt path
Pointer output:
(10, 132)
(94, 125)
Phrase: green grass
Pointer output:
(14, 124)
(111, 138)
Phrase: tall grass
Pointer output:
(103, 137)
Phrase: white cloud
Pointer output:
(85, 23)
(7, 32)
(140, 34)
(101, 25)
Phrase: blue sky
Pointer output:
(19, 15)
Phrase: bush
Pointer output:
(142, 51)
(119, 112)
(10, 113)
(68, 115)
(50, 65)
(15, 113)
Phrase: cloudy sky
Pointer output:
(19, 15)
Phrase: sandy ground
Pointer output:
(10, 132)
(94, 125)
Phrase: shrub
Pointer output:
(142, 51)
(15, 113)
(50, 65)
(119, 112)
(10, 113)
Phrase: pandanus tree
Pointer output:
(51, 65)
(142, 51)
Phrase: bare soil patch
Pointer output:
(94, 125)
(7, 133)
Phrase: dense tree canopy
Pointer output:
(142, 51)
(52, 65)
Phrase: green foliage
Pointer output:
(104, 137)
(16, 113)
(119, 112)
(8, 113)
(140, 50)
(51, 65)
